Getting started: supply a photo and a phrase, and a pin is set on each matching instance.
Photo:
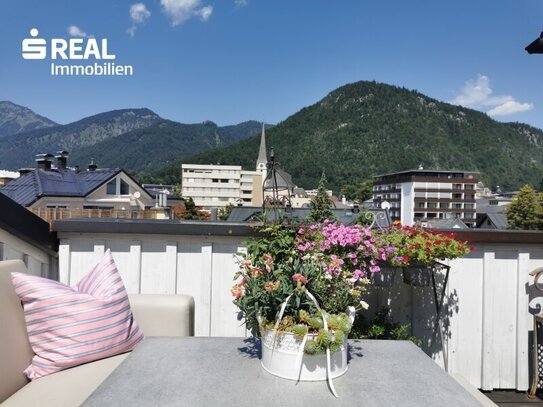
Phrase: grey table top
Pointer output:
(203, 371)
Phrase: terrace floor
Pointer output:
(511, 398)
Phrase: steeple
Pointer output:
(262, 156)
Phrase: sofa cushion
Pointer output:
(71, 326)
(68, 388)
(15, 350)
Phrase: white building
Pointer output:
(426, 195)
(213, 186)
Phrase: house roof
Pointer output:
(446, 224)
(38, 183)
(346, 217)
(498, 220)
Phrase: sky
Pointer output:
(234, 60)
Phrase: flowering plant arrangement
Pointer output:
(420, 246)
(327, 263)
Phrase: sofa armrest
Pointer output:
(163, 314)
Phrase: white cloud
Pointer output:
(241, 3)
(75, 31)
(478, 94)
(179, 11)
(510, 107)
(139, 13)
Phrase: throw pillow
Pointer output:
(70, 326)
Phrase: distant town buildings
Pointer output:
(59, 191)
(216, 186)
(423, 196)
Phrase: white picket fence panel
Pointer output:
(486, 314)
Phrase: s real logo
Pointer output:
(88, 50)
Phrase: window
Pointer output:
(420, 205)
(125, 189)
(443, 205)
(457, 196)
(52, 206)
(432, 204)
(112, 187)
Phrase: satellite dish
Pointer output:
(385, 205)
(137, 195)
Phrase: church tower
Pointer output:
(262, 156)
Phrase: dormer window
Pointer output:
(117, 186)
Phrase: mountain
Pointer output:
(16, 119)
(152, 147)
(18, 150)
(368, 128)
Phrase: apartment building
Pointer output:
(419, 196)
(212, 186)
(216, 186)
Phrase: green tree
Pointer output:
(526, 210)
(225, 212)
(321, 205)
(192, 212)
(358, 192)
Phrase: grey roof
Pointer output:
(427, 171)
(284, 180)
(446, 224)
(346, 217)
(30, 187)
(496, 220)
(483, 205)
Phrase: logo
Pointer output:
(89, 50)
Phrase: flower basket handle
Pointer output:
(304, 340)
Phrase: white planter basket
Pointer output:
(283, 355)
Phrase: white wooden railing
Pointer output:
(486, 312)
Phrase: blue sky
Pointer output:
(234, 60)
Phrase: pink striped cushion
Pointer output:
(70, 326)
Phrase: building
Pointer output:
(215, 186)
(7, 176)
(212, 186)
(417, 196)
(46, 189)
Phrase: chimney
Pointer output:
(62, 159)
(24, 171)
(43, 161)
(92, 165)
(76, 168)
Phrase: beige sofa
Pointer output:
(157, 315)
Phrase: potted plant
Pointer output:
(418, 249)
(299, 289)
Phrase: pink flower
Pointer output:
(267, 259)
(237, 291)
(300, 278)
(255, 271)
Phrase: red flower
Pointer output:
(300, 278)
(406, 259)
(472, 248)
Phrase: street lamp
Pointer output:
(275, 184)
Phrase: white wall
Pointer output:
(486, 315)
(38, 262)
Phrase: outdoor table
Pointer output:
(207, 371)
